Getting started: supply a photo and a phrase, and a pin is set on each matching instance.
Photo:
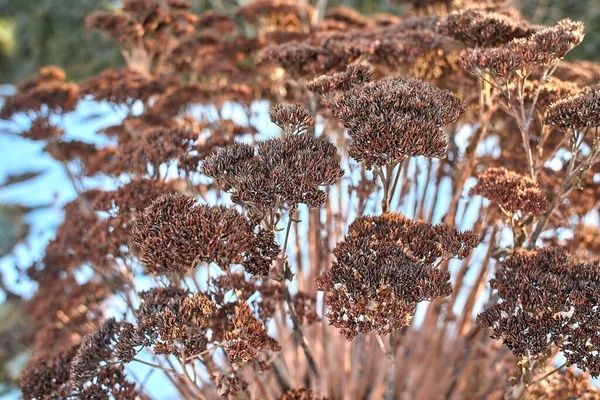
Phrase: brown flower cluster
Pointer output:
(355, 75)
(482, 29)
(247, 337)
(43, 94)
(384, 267)
(300, 394)
(547, 297)
(276, 14)
(513, 192)
(395, 118)
(285, 171)
(579, 111)
(292, 118)
(175, 234)
(82, 371)
(543, 48)
(564, 385)
(170, 320)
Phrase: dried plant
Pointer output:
(300, 203)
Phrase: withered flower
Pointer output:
(287, 171)
(547, 297)
(94, 350)
(355, 74)
(299, 59)
(171, 320)
(567, 384)
(284, 13)
(579, 111)
(228, 385)
(53, 96)
(482, 29)
(247, 337)
(395, 118)
(175, 234)
(300, 394)
(513, 192)
(543, 48)
(292, 118)
(384, 267)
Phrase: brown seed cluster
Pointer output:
(482, 29)
(513, 192)
(292, 118)
(395, 118)
(248, 336)
(355, 75)
(580, 111)
(175, 234)
(547, 297)
(542, 49)
(384, 267)
(46, 93)
(170, 320)
(285, 171)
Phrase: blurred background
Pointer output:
(35, 33)
(33, 187)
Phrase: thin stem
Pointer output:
(391, 367)
(549, 373)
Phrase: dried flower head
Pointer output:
(287, 171)
(175, 234)
(477, 28)
(247, 337)
(300, 394)
(543, 48)
(579, 111)
(513, 192)
(566, 384)
(299, 59)
(384, 267)
(292, 118)
(395, 118)
(171, 320)
(355, 75)
(547, 297)
(276, 13)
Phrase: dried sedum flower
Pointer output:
(513, 192)
(175, 234)
(547, 297)
(384, 267)
(248, 336)
(579, 111)
(564, 385)
(284, 171)
(292, 118)
(300, 394)
(395, 118)
(355, 74)
(482, 29)
(544, 48)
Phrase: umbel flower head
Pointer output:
(395, 118)
(175, 234)
(513, 192)
(355, 74)
(284, 171)
(547, 297)
(292, 118)
(544, 48)
(579, 111)
(482, 29)
(384, 267)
